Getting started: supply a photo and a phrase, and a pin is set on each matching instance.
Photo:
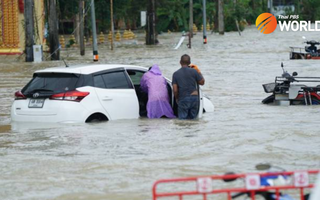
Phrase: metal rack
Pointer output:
(300, 180)
(280, 79)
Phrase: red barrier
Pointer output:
(300, 180)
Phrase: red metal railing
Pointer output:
(300, 180)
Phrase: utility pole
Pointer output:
(28, 16)
(111, 21)
(221, 18)
(81, 18)
(151, 23)
(94, 33)
(53, 31)
(270, 6)
(216, 17)
(190, 22)
(236, 19)
(191, 17)
(204, 22)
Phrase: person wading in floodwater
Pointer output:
(185, 83)
(153, 83)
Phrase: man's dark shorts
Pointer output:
(188, 107)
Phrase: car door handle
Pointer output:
(106, 98)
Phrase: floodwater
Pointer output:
(122, 159)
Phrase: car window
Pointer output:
(53, 82)
(98, 81)
(116, 80)
(135, 76)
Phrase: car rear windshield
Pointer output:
(51, 82)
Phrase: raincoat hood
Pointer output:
(155, 70)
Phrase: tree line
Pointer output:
(173, 15)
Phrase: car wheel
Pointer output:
(96, 117)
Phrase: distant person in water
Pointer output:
(153, 83)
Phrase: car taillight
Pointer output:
(70, 96)
(18, 95)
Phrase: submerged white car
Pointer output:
(87, 93)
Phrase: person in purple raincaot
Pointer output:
(153, 83)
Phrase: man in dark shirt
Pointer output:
(185, 87)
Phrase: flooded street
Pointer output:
(122, 159)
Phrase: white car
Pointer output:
(86, 93)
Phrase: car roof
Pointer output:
(89, 68)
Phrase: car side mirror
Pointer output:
(294, 74)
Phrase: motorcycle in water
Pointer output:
(274, 184)
(271, 180)
(309, 52)
(288, 90)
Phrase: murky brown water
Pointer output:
(122, 159)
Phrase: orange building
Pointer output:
(12, 31)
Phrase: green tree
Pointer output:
(174, 14)
(310, 9)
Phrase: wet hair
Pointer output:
(185, 59)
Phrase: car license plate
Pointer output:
(36, 103)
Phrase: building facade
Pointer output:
(12, 31)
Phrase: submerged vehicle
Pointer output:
(292, 90)
(87, 93)
(309, 52)
(270, 185)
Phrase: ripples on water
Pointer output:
(122, 159)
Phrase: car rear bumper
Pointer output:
(52, 111)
